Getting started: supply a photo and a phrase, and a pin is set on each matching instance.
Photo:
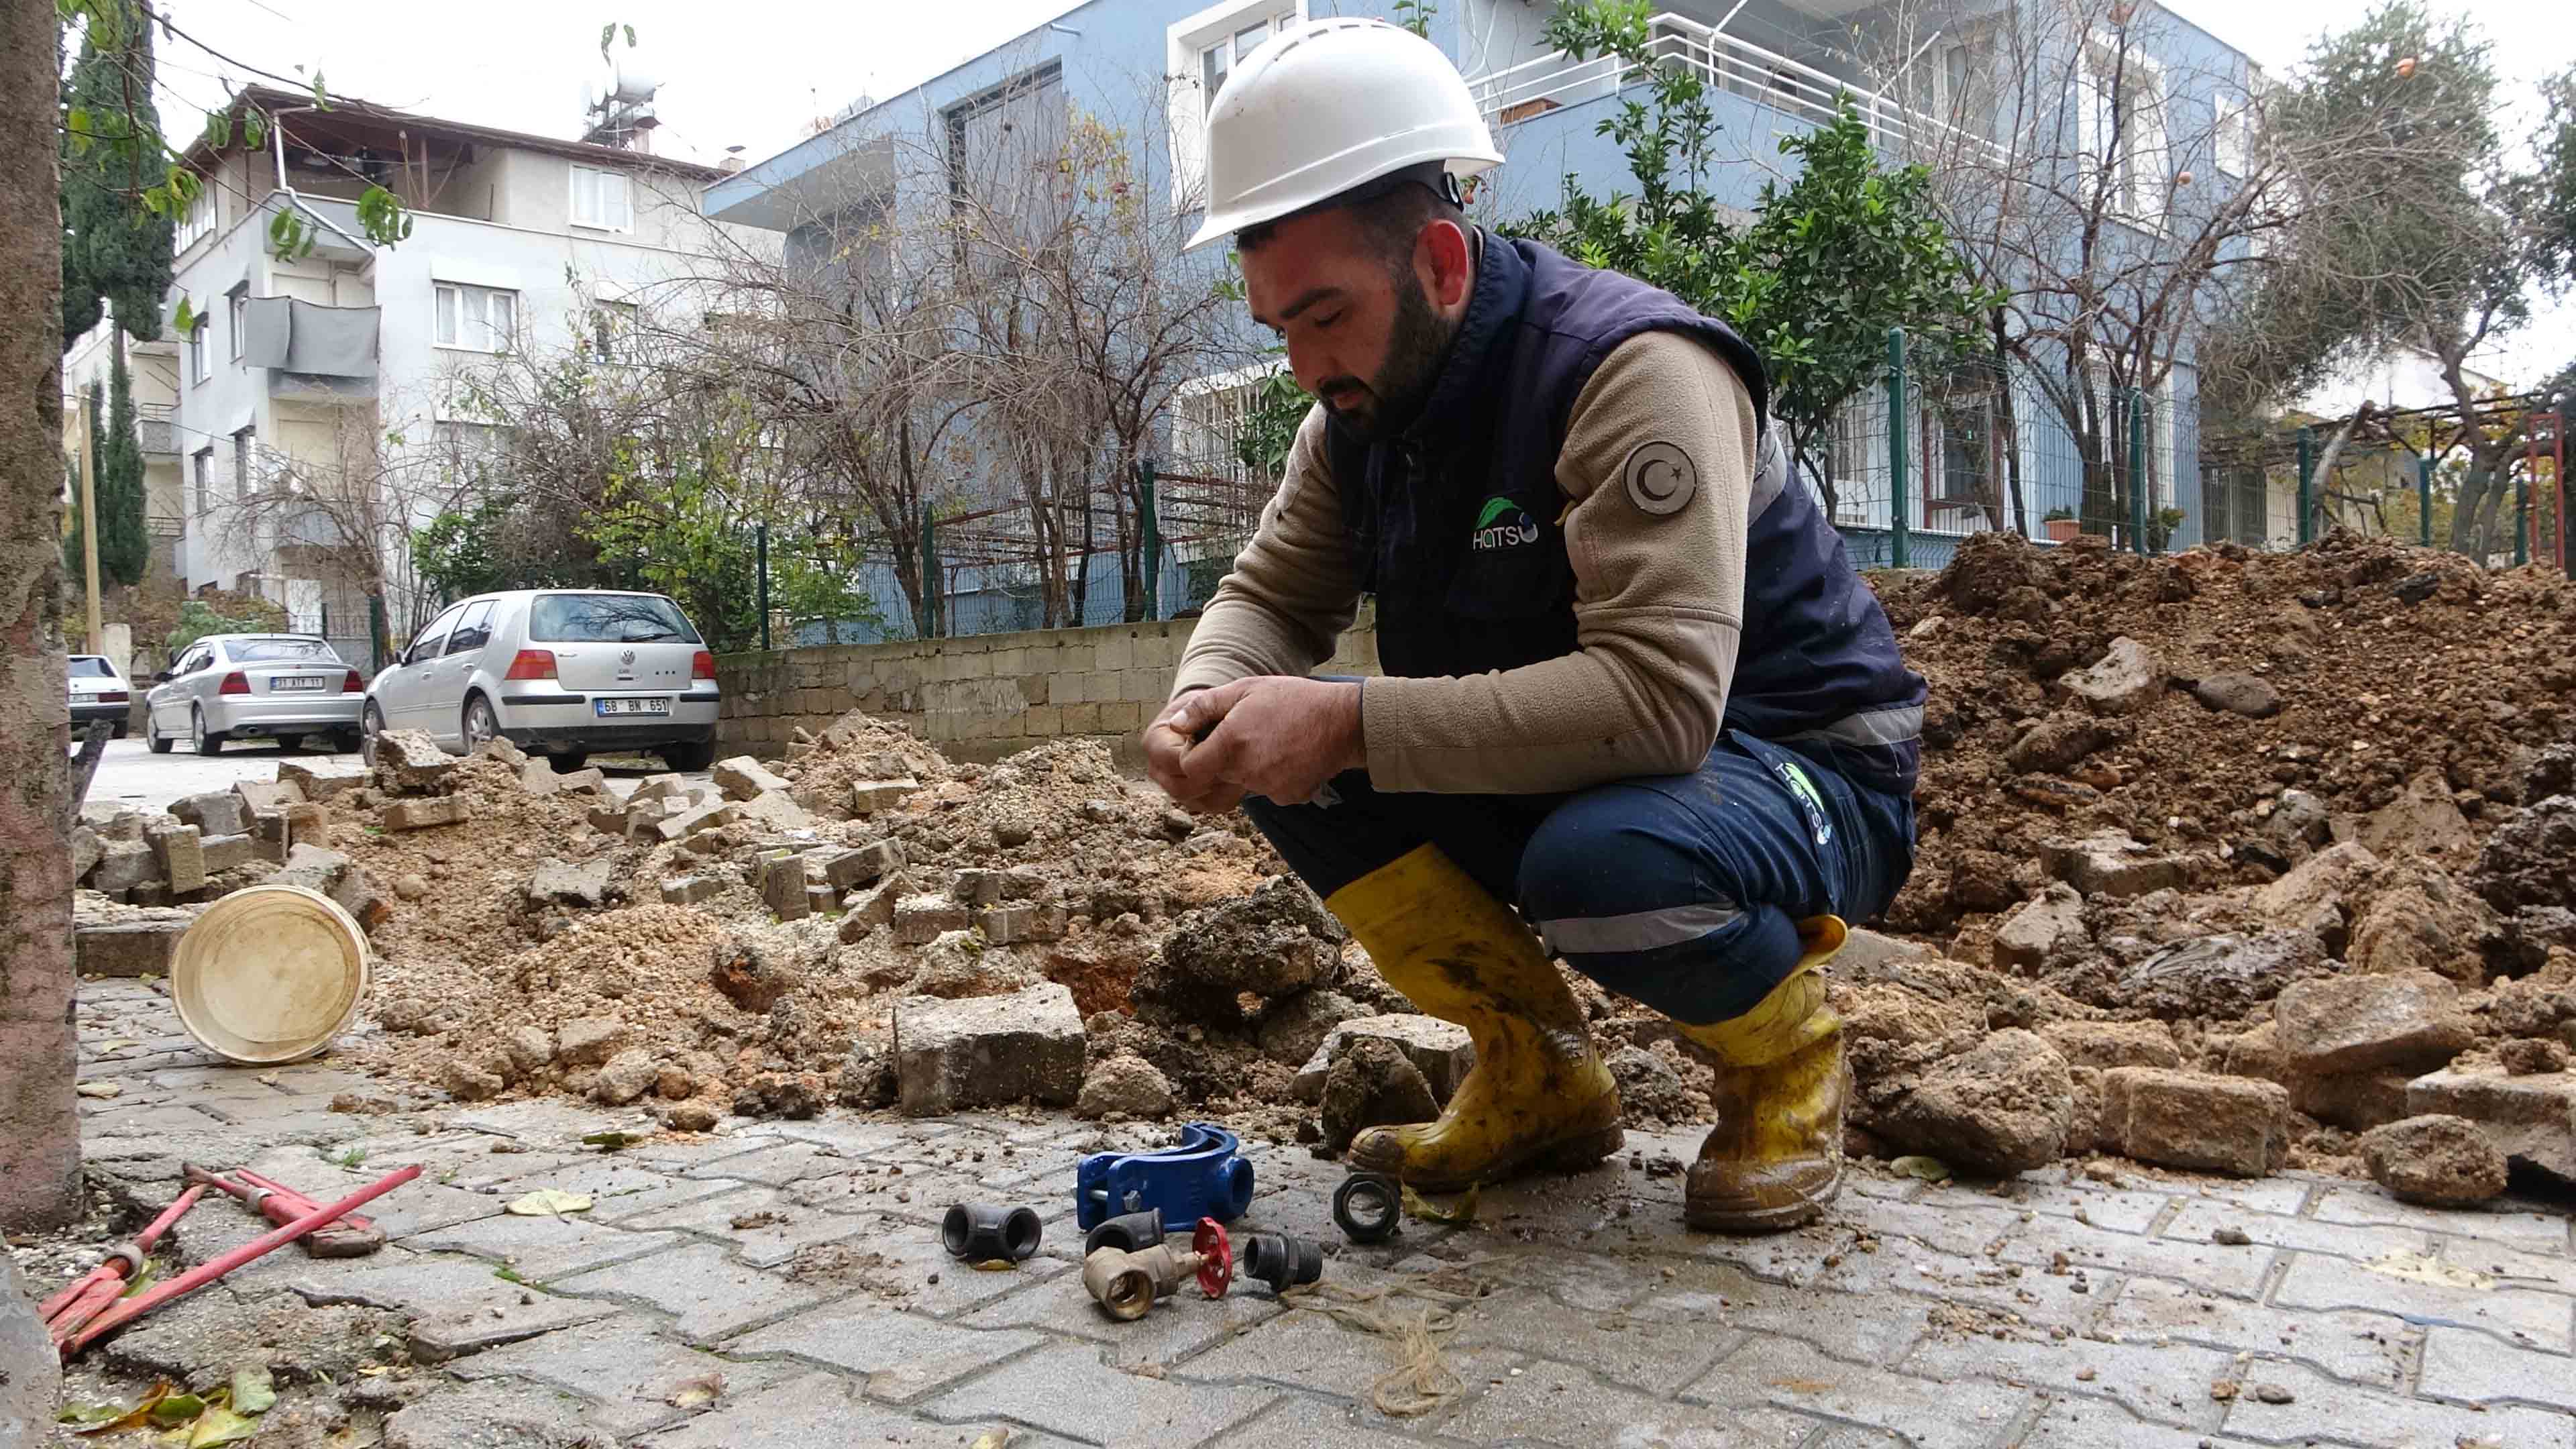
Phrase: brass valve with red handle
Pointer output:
(1125, 1284)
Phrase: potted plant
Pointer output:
(2061, 525)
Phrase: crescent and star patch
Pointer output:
(1660, 478)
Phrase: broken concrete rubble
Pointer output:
(1442, 1051)
(784, 882)
(123, 865)
(182, 854)
(2125, 680)
(2250, 695)
(2195, 1120)
(1372, 1083)
(2040, 929)
(322, 779)
(2110, 863)
(921, 919)
(423, 813)
(745, 778)
(2006, 1106)
(409, 761)
(216, 813)
(1125, 1086)
(139, 943)
(988, 1050)
(2435, 1160)
(557, 883)
(2370, 1023)
(2532, 1119)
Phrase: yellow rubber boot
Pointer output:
(1539, 1095)
(1776, 1157)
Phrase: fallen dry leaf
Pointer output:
(549, 1202)
(99, 1089)
(693, 1393)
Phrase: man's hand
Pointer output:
(1275, 736)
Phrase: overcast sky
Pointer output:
(758, 75)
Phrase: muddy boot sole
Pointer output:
(1577, 1153)
(1748, 1219)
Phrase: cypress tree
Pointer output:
(114, 250)
(122, 548)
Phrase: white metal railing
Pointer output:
(1739, 67)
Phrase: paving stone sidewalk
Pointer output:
(799, 1262)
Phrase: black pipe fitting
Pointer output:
(1368, 1206)
(1128, 1233)
(983, 1232)
(1282, 1261)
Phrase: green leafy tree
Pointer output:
(123, 550)
(241, 614)
(1831, 261)
(112, 252)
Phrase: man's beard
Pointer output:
(1417, 348)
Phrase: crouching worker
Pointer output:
(1637, 711)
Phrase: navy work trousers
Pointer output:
(1679, 891)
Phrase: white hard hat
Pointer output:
(1324, 107)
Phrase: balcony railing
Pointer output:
(1555, 80)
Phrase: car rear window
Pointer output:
(608, 619)
(91, 668)
(279, 651)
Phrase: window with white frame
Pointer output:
(477, 319)
(202, 474)
(245, 444)
(237, 318)
(2120, 129)
(200, 367)
(198, 219)
(2234, 135)
(1202, 51)
(601, 200)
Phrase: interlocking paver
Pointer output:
(1316, 1352)
(1297, 1422)
(2121, 1210)
(2518, 1314)
(921, 1193)
(1064, 1388)
(675, 1192)
(857, 1138)
(1948, 1224)
(1864, 1328)
(2366, 1348)
(817, 1411)
(548, 1119)
(778, 1225)
(2459, 1364)
(2234, 1271)
(902, 1355)
(2029, 1295)
(2168, 1385)
(2532, 1232)
(542, 1248)
(1800, 1257)
(2094, 1424)
(774, 1164)
(1551, 1403)
(2200, 1219)
(709, 1295)
(2321, 1410)
(908, 1262)
(599, 1177)
(627, 1372)
(2510, 1266)
(1787, 1374)
(1589, 1280)
(495, 1413)
(1654, 1357)
(2281, 1196)
(457, 1305)
(1060, 1306)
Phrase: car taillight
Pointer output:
(112, 696)
(702, 665)
(235, 683)
(533, 664)
(353, 684)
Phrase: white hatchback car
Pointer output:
(563, 672)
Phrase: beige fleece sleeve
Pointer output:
(1659, 599)
(1292, 592)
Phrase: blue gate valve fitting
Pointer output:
(1204, 1175)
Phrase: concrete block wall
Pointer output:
(983, 696)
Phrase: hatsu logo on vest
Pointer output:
(1503, 524)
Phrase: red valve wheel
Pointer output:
(1216, 1257)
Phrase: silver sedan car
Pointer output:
(283, 687)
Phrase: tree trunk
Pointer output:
(2008, 430)
(40, 1176)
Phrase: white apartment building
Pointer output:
(519, 242)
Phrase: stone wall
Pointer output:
(980, 697)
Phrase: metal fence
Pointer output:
(1926, 456)
(2401, 474)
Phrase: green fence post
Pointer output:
(760, 540)
(1898, 553)
(1153, 539)
(2307, 480)
(2424, 500)
(2137, 472)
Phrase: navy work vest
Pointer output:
(1453, 524)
